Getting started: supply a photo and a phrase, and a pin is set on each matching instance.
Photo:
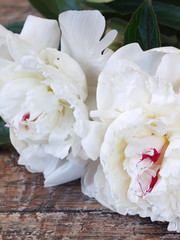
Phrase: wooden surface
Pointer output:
(30, 211)
(15, 11)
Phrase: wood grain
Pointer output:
(15, 11)
(30, 211)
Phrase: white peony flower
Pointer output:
(139, 143)
(43, 93)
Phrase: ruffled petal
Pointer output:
(13, 94)
(6, 67)
(19, 48)
(165, 50)
(92, 134)
(122, 86)
(167, 70)
(66, 77)
(148, 61)
(87, 181)
(94, 184)
(65, 172)
(91, 99)
(4, 53)
(41, 33)
(3, 33)
(36, 160)
(62, 137)
(19, 145)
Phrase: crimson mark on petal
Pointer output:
(25, 117)
(153, 182)
(153, 157)
(149, 175)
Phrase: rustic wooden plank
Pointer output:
(61, 212)
(22, 190)
(79, 225)
(15, 11)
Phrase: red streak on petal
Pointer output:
(153, 182)
(146, 179)
(25, 117)
(154, 158)
(146, 186)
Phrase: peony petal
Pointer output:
(19, 48)
(81, 33)
(122, 86)
(66, 172)
(5, 64)
(91, 99)
(92, 134)
(165, 50)
(147, 60)
(167, 70)
(81, 27)
(3, 33)
(87, 181)
(106, 41)
(94, 184)
(41, 33)
(35, 160)
(13, 94)
(66, 72)
(6, 67)
(61, 139)
(141, 145)
(19, 145)
(4, 53)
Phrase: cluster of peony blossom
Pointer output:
(109, 118)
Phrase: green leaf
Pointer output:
(52, 8)
(167, 11)
(143, 27)
(168, 14)
(86, 4)
(169, 40)
(15, 27)
(4, 133)
(125, 7)
(100, 1)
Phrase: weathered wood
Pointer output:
(30, 211)
(78, 225)
(24, 191)
(15, 11)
